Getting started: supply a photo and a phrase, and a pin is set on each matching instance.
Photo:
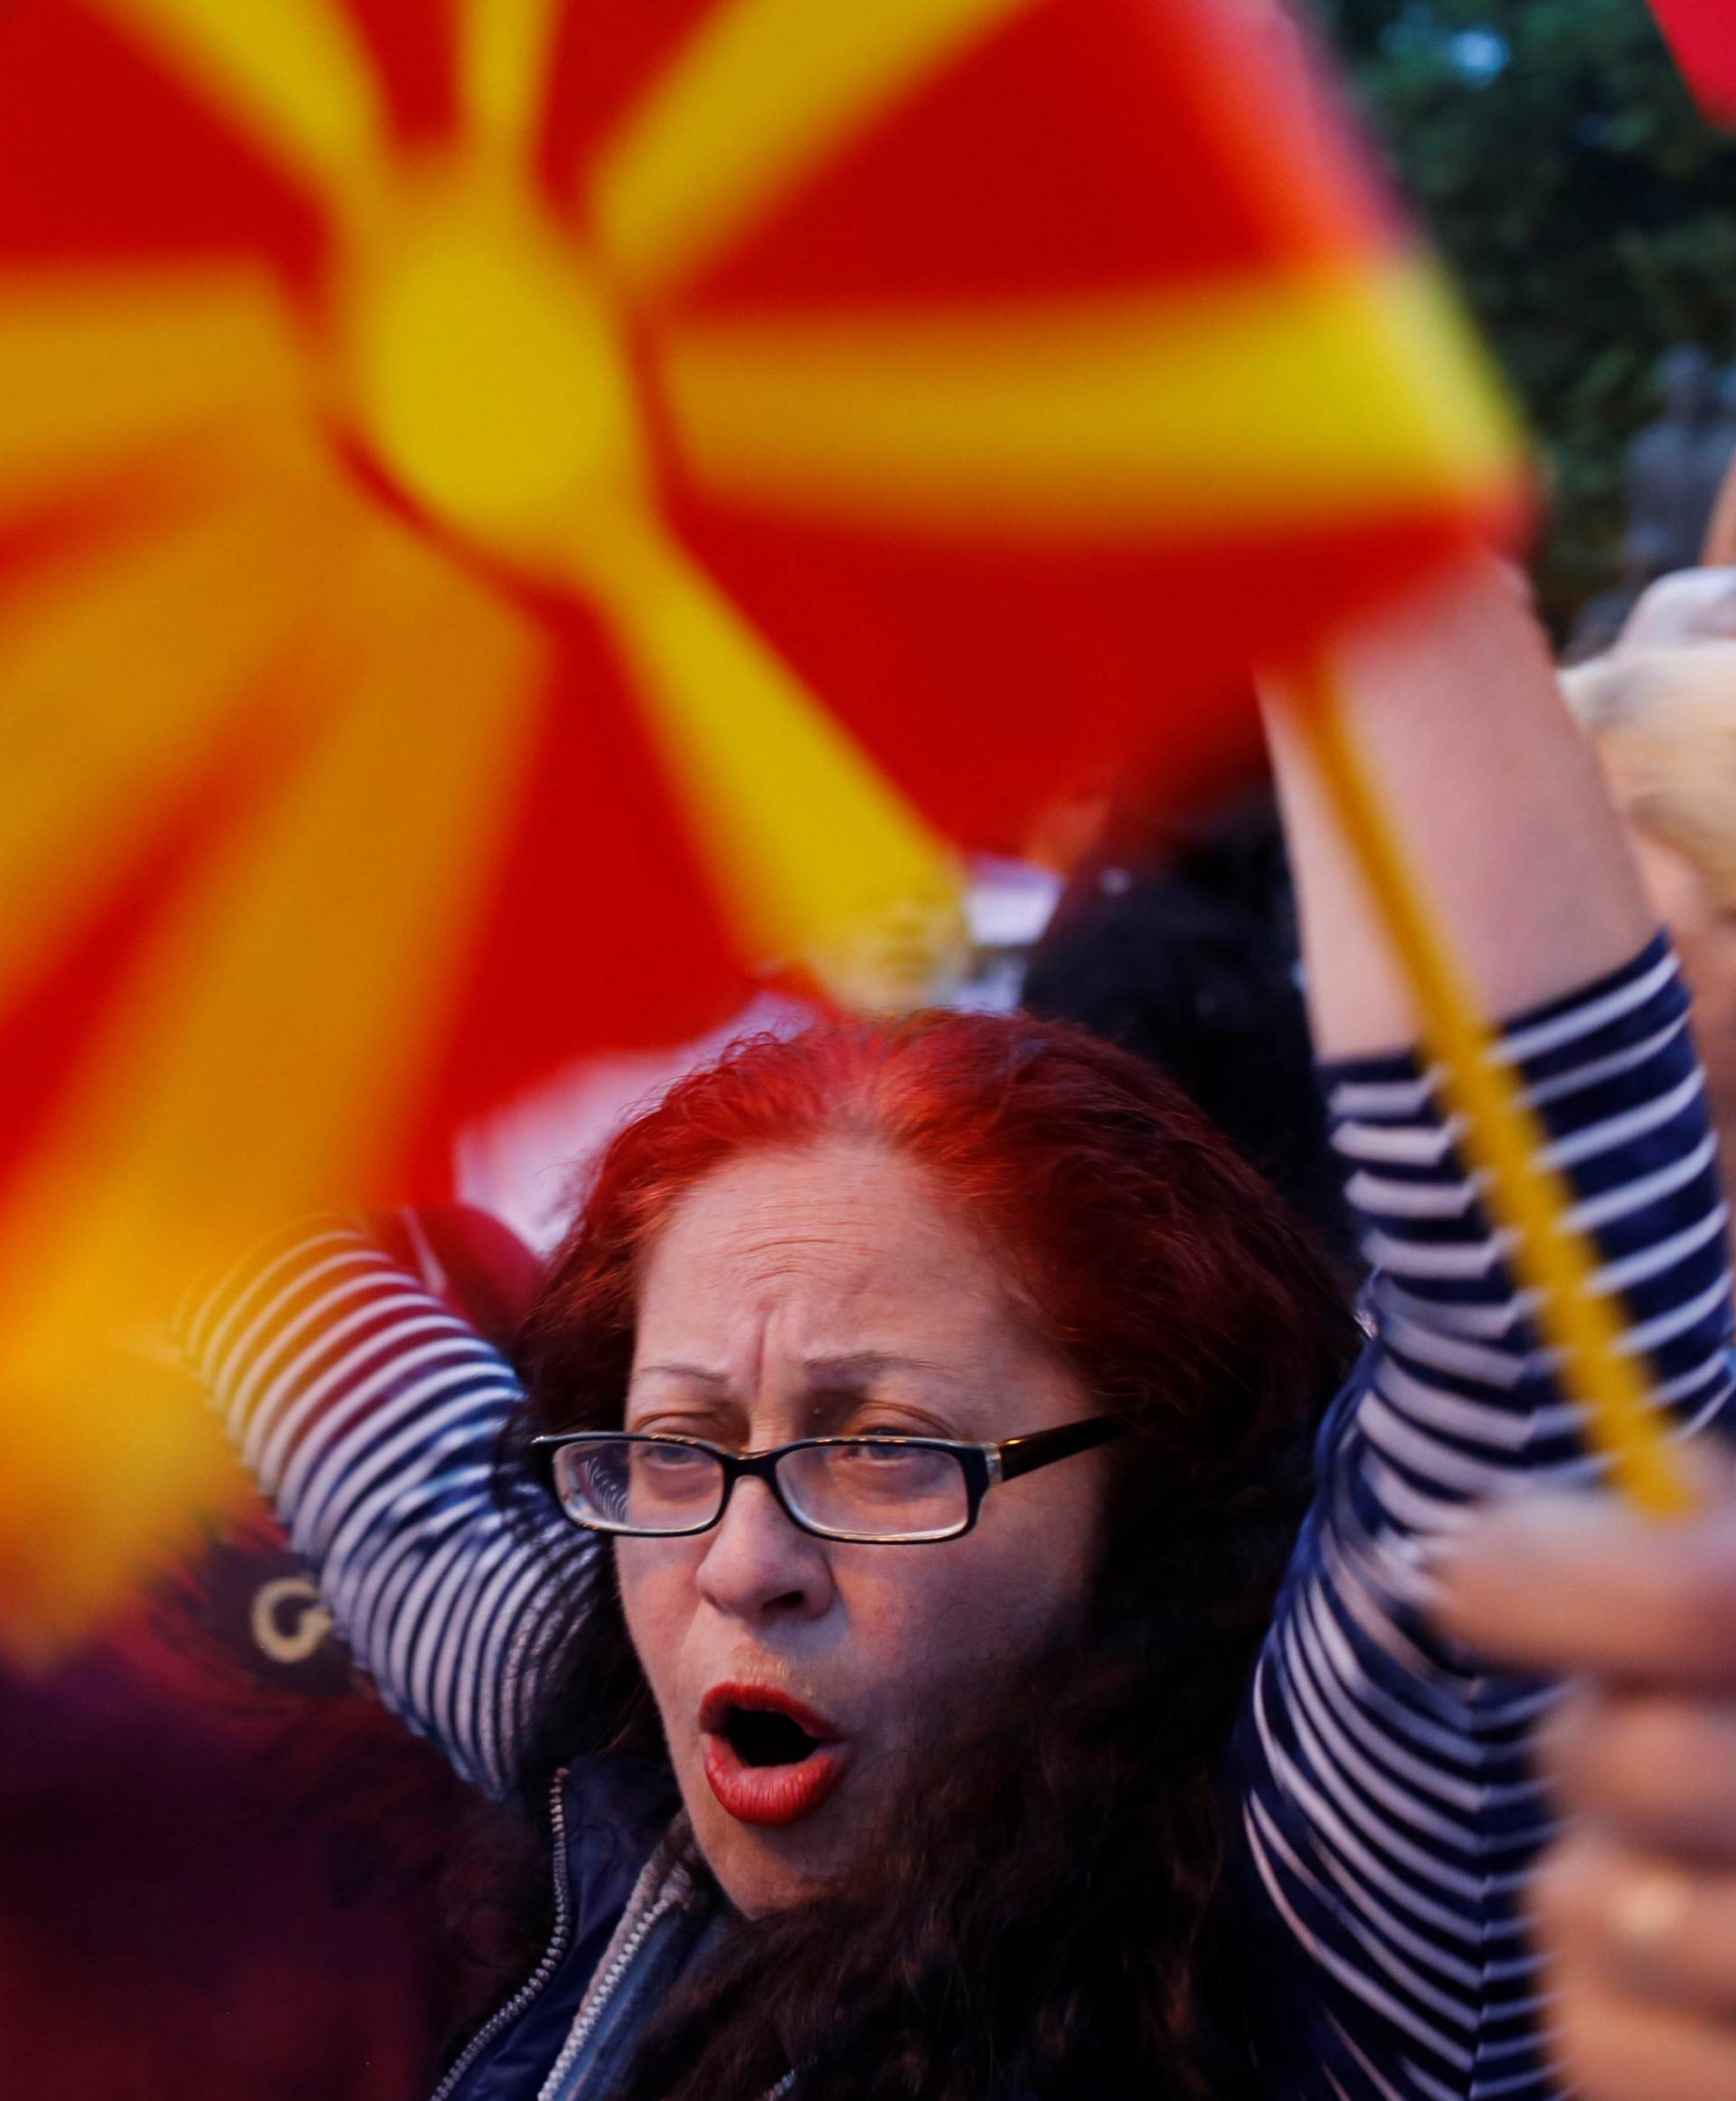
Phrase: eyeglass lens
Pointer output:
(876, 1491)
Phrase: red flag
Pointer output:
(515, 516)
(1702, 34)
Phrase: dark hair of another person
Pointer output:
(1045, 1913)
(1185, 950)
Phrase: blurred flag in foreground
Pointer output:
(1702, 34)
(517, 514)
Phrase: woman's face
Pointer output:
(816, 1293)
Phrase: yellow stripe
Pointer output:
(765, 91)
(74, 1541)
(115, 679)
(96, 366)
(503, 53)
(808, 843)
(1250, 405)
(1502, 1132)
(267, 1056)
(294, 71)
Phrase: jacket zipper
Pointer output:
(549, 1961)
(582, 2029)
(582, 2033)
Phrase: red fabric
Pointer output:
(105, 158)
(1091, 145)
(479, 1266)
(1702, 33)
(988, 682)
(1078, 146)
(600, 925)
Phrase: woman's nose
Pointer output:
(758, 1564)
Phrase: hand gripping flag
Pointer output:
(518, 514)
(1702, 34)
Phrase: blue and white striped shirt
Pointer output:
(1390, 1808)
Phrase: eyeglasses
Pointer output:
(876, 1491)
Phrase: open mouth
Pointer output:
(770, 1759)
(762, 1736)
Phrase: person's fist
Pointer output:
(1634, 1906)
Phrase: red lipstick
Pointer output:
(764, 1789)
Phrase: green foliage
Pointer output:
(1587, 209)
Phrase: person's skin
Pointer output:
(815, 1293)
(1705, 943)
(1688, 606)
(1453, 700)
(1635, 1906)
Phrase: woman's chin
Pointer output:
(763, 1867)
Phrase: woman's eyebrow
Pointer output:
(850, 1372)
(858, 1369)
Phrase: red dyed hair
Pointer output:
(1065, 1855)
(1164, 1270)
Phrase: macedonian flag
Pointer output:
(520, 514)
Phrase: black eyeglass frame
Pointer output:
(984, 1466)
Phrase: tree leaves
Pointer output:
(1587, 208)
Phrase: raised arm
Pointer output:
(1454, 703)
(1392, 1810)
(369, 1412)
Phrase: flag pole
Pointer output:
(1503, 1134)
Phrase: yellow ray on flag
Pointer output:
(806, 841)
(307, 965)
(489, 371)
(115, 676)
(294, 71)
(98, 365)
(1273, 402)
(505, 47)
(763, 91)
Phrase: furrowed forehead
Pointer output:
(847, 1372)
(842, 1219)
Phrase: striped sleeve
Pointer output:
(1391, 1810)
(369, 1414)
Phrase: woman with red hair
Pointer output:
(888, 1569)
